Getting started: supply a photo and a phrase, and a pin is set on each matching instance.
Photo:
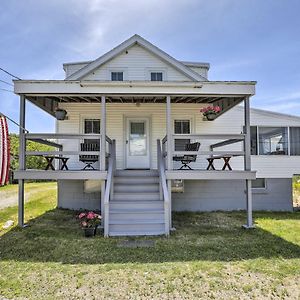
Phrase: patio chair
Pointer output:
(89, 160)
(187, 159)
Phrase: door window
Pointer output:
(137, 138)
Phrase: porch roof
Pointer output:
(47, 94)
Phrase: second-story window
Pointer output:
(156, 76)
(117, 76)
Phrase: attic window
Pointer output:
(156, 76)
(116, 76)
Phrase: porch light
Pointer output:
(61, 114)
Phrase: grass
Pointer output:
(13, 188)
(209, 256)
(42, 198)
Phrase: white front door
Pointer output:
(137, 143)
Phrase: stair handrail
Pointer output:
(109, 185)
(163, 186)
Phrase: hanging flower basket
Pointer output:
(210, 112)
(60, 114)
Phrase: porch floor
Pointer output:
(210, 175)
(102, 175)
(58, 174)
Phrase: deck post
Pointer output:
(22, 162)
(169, 153)
(103, 154)
(103, 134)
(169, 184)
(102, 202)
(169, 133)
(247, 163)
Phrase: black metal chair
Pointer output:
(187, 159)
(89, 160)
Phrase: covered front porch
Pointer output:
(136, 101)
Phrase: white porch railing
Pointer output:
(109, 186)
(224, 140)
(163, 187)
(49, 138)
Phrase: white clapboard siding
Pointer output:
(136, 63)
(74, 67)
(230, 122)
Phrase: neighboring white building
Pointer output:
(144, 106)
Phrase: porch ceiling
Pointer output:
(49, 103)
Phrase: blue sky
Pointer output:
(242, 40)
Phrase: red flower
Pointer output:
(82, 215)
(210, 109)
(90, 215)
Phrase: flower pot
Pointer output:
(210, 116)
(89, 232)
(60, 114)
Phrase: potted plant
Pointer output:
(89, 222)
(60, 114)
(210, 112)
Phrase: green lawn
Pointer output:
(209, 256)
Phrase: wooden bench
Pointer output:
(50, 160)
(226, 159)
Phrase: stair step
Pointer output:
(145, 227)
(136, 233)
(136, 180)
(136, 211)
(136, 173)
(136, 222)
(136, 217)
(135, 196)
(137, 204)
(146, 187)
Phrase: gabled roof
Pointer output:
(135, 39)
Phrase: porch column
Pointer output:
(169, 153)
(169, 133)
(103, 153)
(103, 134)
(247, 163)
(22, 163)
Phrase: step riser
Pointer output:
(127, 228)
(135, 196)
(136, 180)
(137, 173)
(157, 205)
(135, 217)
(139, 233)
(146, 188)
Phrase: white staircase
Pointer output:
(135, 207)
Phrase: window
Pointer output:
(91, 126)
(269, 140)
(253, 134)
(273, 140)
(182, 127)
(156, 76)
(259, 183)
(117, 76)
(294, 140)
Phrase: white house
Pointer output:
(130, 114)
